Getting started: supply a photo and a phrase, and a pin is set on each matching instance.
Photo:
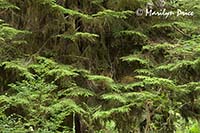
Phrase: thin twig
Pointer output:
(180, 31)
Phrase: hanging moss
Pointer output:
(97, 66)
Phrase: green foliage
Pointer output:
(95, 66)
(19, 68)
(5, 4)
(8, 33)
(192, 127)
(113, 14)
(78, 91)
(130, 33)
(99, 78)
(71, 12)
(61, 72)
(114, 97)
(135, 58)
(80, 36)
(157, 47)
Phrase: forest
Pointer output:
(99, 66)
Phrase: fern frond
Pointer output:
(42, 65)
(18, 67)
(182, 64)
(136, 85)
(162, 25)
(146, 72)
(106, 82)
(78, 91)
(100, 78)
(192, 86)
(57, 7)
(114, 14)
(155, 81)
(135, 58)
(10, 33)
(80, 35)
(179, 65)
(62, 71)
(66, 105)
(71, 12)
(5, 4)
(114, 97)
(86, 36)
(106, 114)
(157, 47)
(138, 98)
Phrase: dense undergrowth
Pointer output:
(97, 66)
